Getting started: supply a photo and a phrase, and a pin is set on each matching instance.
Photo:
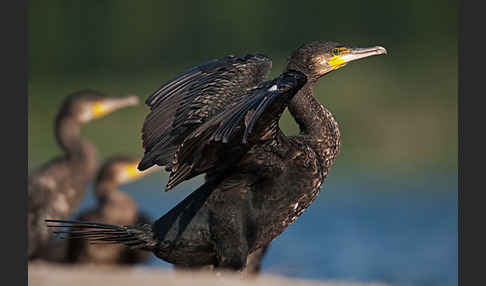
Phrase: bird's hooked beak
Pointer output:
(109, 105)
(352, 54)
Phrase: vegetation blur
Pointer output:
(397, 113)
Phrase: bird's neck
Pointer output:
(317, 125)
(114, 205)
(80, 152)
(104, 189)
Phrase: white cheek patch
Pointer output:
(323, 61)
(123, 176)
(273, 88)
(86, 115)
(348, 57)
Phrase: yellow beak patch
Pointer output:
(132, 171)
(100, 109)
(336, 61)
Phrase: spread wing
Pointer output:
(225, 138)
(183, 104)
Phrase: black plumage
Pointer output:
(182, 105)
(258, 180)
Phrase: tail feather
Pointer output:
(139, 236)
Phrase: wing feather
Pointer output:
(221, 141)
(194, 97)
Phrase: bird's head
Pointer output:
(87, 105)
(120, 170)
(319, 58)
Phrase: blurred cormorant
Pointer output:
(221, 119)
(114, 207)
(56, 189)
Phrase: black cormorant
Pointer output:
(221, 119)
(57, 188)
(114, 207)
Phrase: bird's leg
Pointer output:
(254, 261)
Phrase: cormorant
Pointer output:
(114, 207)
(56, 189)
(221, 119)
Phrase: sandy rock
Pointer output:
(44, 274)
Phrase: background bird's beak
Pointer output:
(132, 172)
(109, 105)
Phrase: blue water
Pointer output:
(368, 228)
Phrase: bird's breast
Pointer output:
(289, 194)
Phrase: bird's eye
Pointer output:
(335, 52)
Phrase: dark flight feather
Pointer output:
(208, 147)
(192, 98)
(139, 236)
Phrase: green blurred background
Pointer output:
(397, 113)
